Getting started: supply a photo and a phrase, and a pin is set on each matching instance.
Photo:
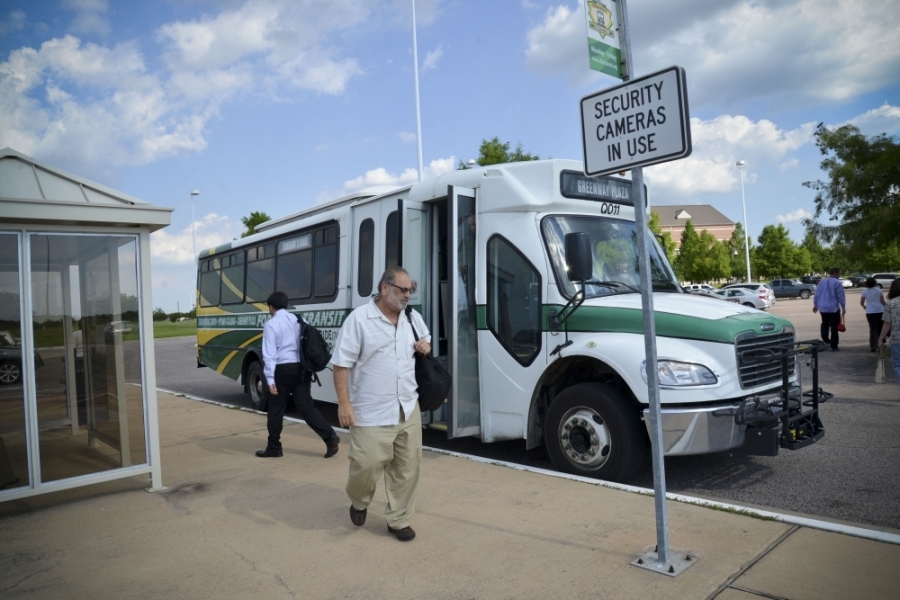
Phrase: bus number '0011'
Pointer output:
(609, 209)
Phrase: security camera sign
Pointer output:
(641, 122)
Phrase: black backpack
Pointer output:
(315, 350)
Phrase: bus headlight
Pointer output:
(676, 373)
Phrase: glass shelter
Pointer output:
(77, 369)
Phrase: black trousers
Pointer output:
(292, 380)
(830, 321)
(875, 325)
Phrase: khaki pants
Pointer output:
(396, 451)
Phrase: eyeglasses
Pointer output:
(406, 290)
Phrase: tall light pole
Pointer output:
(740, 165)
(416, 76)
(193, 237)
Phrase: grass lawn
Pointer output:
(168, 329)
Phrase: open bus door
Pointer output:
(464, 404)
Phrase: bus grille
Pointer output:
(755, 375)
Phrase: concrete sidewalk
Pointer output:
(231, 525)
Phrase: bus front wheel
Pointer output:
(256, 383)
(591, 430)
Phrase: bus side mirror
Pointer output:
(578, 256)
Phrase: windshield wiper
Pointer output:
(613, 285)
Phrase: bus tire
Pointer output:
(592, 430)
(256, 384)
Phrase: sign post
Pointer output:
(642, 122)
(603, 36)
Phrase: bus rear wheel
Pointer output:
(256, 383)
(591, 430)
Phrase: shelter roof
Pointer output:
(33, 192)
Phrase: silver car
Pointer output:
(765, 293)
(745, 297)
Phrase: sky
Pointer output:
(275, 105)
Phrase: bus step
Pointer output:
(438, 426)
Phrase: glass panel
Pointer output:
(294, 274)
(209, 288)
(513, 301)
(233, 283)
(366, 262)
(87, 330)
(615, 256)
(466, 409)
(326, 270)
(13, 441)
(260, 280)
(392, 241)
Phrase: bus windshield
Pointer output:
(614, 252)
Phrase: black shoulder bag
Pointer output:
(316, 352)
(433, 379)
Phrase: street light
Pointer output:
(740, 165)
(193, 237)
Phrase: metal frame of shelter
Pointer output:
(75, 258)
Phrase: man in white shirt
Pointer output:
(375, 380)
(285, 377)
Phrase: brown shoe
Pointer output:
(358, 516)
(404, 535)
(332, 447)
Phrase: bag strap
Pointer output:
(409, 318)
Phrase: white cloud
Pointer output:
(93, 108)
(382, 177)
(884, 119)
(432, 58)
(90, 18)
(211, 230)
(797, 215)
(14, 22)
(738, 50)
(406, 136)
(717, 145)
(787, 165)
(559, 45)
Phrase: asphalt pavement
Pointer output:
(849, 476)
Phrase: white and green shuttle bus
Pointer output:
(487, 249)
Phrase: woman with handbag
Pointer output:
(891, 317)
(872, 299)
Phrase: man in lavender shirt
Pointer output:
(830, 302)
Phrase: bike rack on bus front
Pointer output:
(790, 419)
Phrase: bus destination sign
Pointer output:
(600, 189)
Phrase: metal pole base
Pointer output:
(678, 562)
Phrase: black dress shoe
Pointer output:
(404, 535)
(358, 516)
(268, 453)
(332, 447)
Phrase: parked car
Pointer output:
(11, 359)
(859, 280)
(791, 288)
(763, 291)
(698, 287)
(713, 295)
(745, 297)
(813, 279)
(845, 282)
(118, 327)
(884, 280)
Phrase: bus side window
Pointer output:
(210, 278)
(233, 278)
(366, 260)
(294, 274)
(326, 263)
(260, 273)
(513, 300)
(392, 240)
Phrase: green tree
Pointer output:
(667, 242)
(495, 152)
(818, 259)
(737, 253)
(687, 253)
(777, 252)
(159, 314)
(862, 194)
(250, 222)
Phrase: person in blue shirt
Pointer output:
(285, 377)
(830, 302)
